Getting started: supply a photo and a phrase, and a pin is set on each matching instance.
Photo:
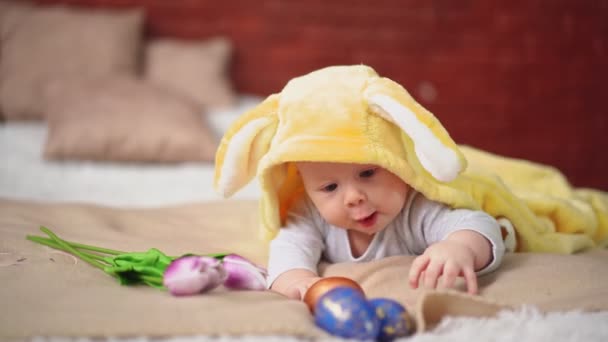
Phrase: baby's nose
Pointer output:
(354, 196)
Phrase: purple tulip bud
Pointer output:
(243, 274)
(193, 274)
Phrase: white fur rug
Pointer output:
(524, 325)
(25, 174)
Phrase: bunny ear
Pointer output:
(243, 145)
(435, 150)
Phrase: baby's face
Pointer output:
(362, 197)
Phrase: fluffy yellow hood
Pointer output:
(336, 114)
(350, 114)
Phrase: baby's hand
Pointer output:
(448, 258)
(305, 284)
(294, 283)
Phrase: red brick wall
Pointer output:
(522, 78)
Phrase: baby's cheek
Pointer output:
(334, 219)
(396, 198)
(335, 215)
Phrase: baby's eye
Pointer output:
(329, 188)
(367, 173)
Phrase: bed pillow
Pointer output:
(198, 69)
(52, 42)
(124, 119)
(11, 11)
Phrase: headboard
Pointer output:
(519, 78)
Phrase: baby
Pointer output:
(360, 212)
(353, 169)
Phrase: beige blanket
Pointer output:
(48, 293)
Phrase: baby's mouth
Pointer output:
(369, 220)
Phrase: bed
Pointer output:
(94, 154)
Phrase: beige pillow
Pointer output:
(198, 69)
(11, 12)
(57, 42)
(124, 119)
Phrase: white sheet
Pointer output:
(24, 174)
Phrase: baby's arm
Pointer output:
(294, 283)
(479, 245)
(460, 254)
(295, 253)
(459, 242)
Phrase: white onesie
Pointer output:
(307, 237)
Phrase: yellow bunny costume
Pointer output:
(351, 114)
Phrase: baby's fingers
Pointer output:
(432, 274)
(451, 271)
(471, 279)
(419, 265)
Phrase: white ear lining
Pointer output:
(439, 160)
(234, 169)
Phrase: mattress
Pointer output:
(51, 294)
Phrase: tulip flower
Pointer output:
(182, 275)
(243, 274)
(193, 274)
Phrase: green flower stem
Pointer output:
(51, 243)
(68, 248)
(95, 249)
(97, 257)
(80, 245)
(128, 267)
(44, 241)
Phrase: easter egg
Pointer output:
(345, 312)
(393, 318)
(322, 286)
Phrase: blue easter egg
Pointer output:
(345, 312)
(394, 321)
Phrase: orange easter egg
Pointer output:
(325, 284)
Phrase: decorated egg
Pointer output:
(322, 286)
(393, 318)
(345, 312)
